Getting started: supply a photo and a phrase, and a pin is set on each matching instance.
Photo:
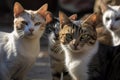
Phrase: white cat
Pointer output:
(111, 21)
(20, 48)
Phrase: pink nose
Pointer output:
(31, 29)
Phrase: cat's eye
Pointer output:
(85, 36)
(117, 18)
(69, 36)
(37, 23)
(107, 18)
(24, 22)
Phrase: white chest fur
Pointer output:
(22, 47)
(115, 38)
(78, 66)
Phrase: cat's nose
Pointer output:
(31, 29)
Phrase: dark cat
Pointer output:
(55, 51)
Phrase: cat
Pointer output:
(77, 56)
(55, 51)
(20, 48)
(111, 21)
(85, 57)
(103, 36)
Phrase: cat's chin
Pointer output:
(30, 36)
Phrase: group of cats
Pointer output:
(75, 52)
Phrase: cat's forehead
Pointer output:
(33, 16)
(113, 11)
(116, 8)
(77, 23)
(67, 29)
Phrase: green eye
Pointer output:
(37, 23)
(86, 36)
(69, 36)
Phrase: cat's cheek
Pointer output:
(19, 27)
(42, 27)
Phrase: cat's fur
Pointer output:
(111, 21)
(55, 50)
(20, 48)
(77, 53)
(85, 57)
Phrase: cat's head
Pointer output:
(53, 26)
(67, 28)
(29, 23)
(111, 17)
(77, 37)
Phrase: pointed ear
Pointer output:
(42, 10)
(18, 9)
(48, 17)
(103, 6)
(73, 17)
(63, 18)
(92, 19)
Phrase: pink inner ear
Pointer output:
(49, 17)
(63, 18)
(18, 9)
(73, 17)
(94, 17)
(42, 11)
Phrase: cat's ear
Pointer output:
(73, 17)
(92, 19)
(42, 10)
(49, 17)
(103, 6)
(46, 14)
(63, 18)
(18, 9)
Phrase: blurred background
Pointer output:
(80, 7)
(41, 69)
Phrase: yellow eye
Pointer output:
(37, 23)
(24, 22)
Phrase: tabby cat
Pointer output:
(20, 48)
(56, 53)
(111, 21)
(85, 57)
(79, 46)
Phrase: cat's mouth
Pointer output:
(30, 34)
(113, 29)
(75, 47)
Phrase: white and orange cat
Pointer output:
(20, 48)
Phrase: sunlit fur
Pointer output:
(31, 17)
(111, 21)
(80, 45)
(20, 48)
